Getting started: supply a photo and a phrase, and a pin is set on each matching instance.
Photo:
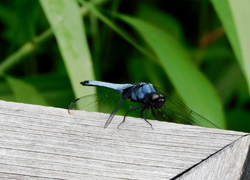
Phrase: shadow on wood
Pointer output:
(47, 143)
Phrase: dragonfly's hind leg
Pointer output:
(132, 109)
(145, 116)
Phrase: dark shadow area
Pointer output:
(246, 168)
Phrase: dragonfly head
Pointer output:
(156, 100)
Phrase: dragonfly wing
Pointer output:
(107, 102)
(175, 111)
(99, 102)
(124, 98)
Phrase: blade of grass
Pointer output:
(31, 46)
(160, 19)
(194, 88)
(56, 94)
(25, 50)
(65, 20)
(228, 82)
(112, 25)
(104, 39)
(24, 92)
(235, 17)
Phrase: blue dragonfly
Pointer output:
(143, 96)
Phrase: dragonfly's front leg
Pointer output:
(152, 109)
(143, 109)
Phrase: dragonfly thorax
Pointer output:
(155, 100)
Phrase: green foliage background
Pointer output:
(195, 49)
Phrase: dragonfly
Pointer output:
(144, 96)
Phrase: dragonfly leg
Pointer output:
(132, 109)
(152, 109)
(143, 109)
(145, 117)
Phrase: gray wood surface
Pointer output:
(226, 164)
(39, 142)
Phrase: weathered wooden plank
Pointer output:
(47, 143)
(225, 164)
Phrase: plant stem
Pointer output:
(31, 46)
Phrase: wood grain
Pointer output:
(38, 142)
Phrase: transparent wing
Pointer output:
(111, 102)
(103, 102)
(123, 100)
(175, 111)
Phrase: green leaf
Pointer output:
(194, 88)
(65, 19)
(228, 82)
(235, 17)
(56, 94)
(160, 19)
(25, 92)
(149, 71)
(116, 28)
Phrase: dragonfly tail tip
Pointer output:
(84, 83)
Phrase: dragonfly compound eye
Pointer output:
(157, 100)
